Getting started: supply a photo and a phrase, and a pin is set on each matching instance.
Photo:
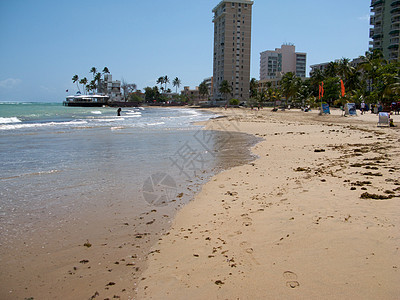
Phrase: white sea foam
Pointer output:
(96, 112)
(9, 120)
(36, 125)
(155, 124)
(110, 120)
(131, 112)
(31, 174)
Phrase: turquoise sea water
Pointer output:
(57, 161)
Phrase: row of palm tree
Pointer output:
(93, 84)
(373, 80)
(164, 80)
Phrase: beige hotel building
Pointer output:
(232, 47)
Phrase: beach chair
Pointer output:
(384, 119)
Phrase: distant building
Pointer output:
(232, 48)
(110, 88)
(274, 83)
(385, 32)
(194, 96)
(274, 63)
(322, 66)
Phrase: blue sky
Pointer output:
(44, 43)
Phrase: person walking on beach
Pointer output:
(362, 107)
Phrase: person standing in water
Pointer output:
(119, 112)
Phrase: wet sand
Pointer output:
(101, 251)
(316, 216)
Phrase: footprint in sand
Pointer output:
(291, 279)
(247, 221)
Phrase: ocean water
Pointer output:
(58, 161)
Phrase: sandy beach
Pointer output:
(315, 216)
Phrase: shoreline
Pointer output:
(299, 221)
(80, 256)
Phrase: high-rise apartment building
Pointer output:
(232, 47)
(385, 19)
(274, 64)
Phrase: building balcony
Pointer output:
(376, 3)
(372, 20)
(394, 33)
(396, 20)
(394, 46)
(393, 55)
(396, 14)
(395, 3)
(395, 10)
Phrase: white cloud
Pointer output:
(10, 83)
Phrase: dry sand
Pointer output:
(293, 224)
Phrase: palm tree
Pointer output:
(253, 88)
(372, 61)
(225, 89)
(332, 69)
(203, 89)
(83, 81)
(160, 81)
(93, 70)
(166, 81)
(269, 93)
(344, 68)
(75, 78)
(106, 71)
(92, 85)
(290, 85)
(277, 96)
(176, 83)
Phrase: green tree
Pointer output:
(135, 98)
(203, 89)
(290, 85)
(277, 96)
(75, 79)
(225, 89)
(387, 82)
(234, 102)
(269, 93)
(316, 78)
(253, 88)
(260, 96)
(160, 81)
(331, 90)
(83, 81)
(149, 95)
(106, 71)
(332, 69)
(166, 81)
(176, 83)
(93, 70)
(305, 92)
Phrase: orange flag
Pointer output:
(319, 92)
(322, 89)
(343, 89)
